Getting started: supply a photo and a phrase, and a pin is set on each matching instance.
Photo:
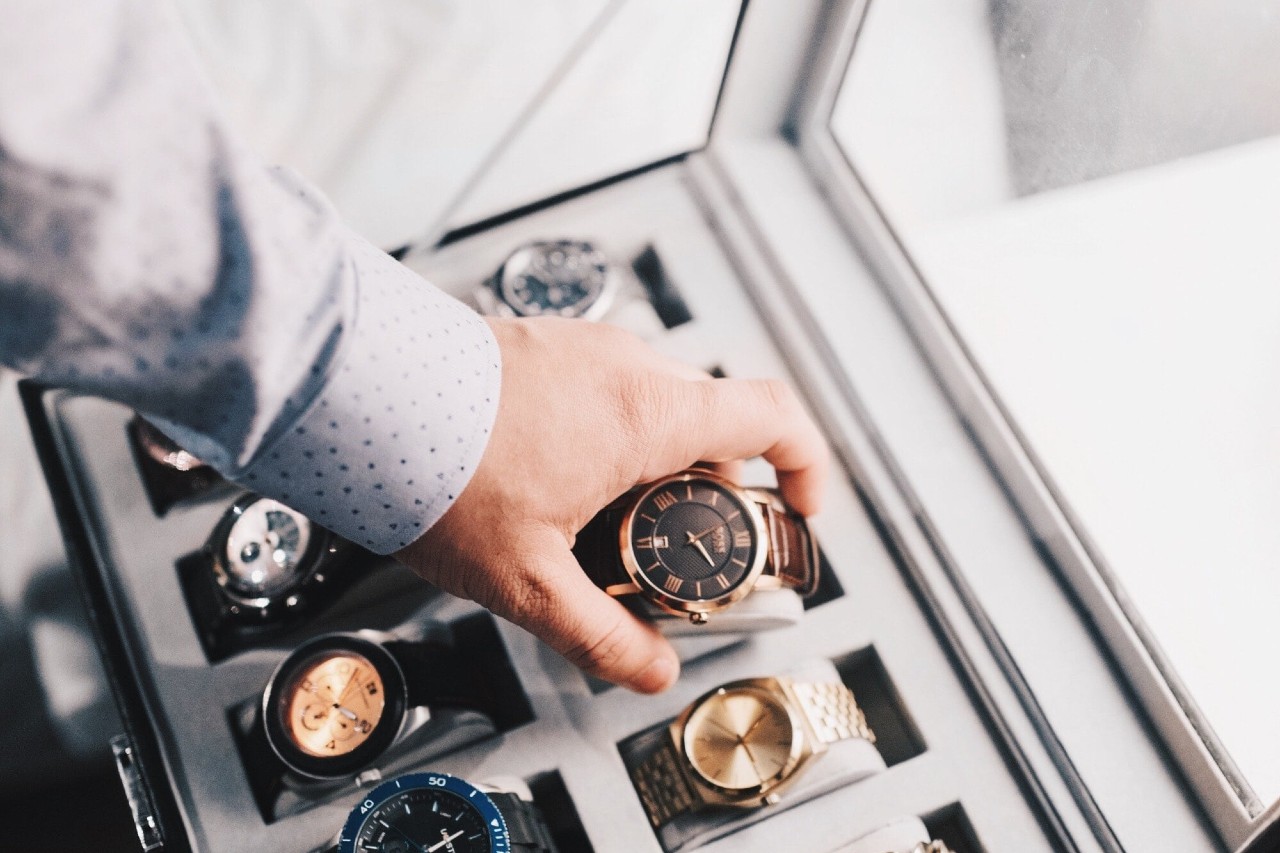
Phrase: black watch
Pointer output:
(437, 811)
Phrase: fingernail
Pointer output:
(657, 676)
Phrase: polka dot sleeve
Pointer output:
(395, 433)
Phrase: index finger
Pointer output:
(720, 420)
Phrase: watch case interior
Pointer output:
(951, 761)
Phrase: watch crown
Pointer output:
(698, 618)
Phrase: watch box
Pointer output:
(1015, 709)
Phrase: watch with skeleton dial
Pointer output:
(695, 543)
(552, 278)
(340, 701)
(743, 744)
(267, 558)
(440, 813)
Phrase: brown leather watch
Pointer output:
(694, 543)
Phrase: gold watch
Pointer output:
(743, 744)
(695, 543)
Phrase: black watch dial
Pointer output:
(425, 813)
(265, 551)
(562, 278)
(424, 819)
(693, 540)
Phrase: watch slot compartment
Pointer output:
(663, 780)
(952, 826)
(364, 584)
(897, 737)
(829, 588)
(662, 292)
(167, 486)
(552, 798)
(280, 793)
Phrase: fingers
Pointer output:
(729, 419)
(553, 599)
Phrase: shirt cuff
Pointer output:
(394, 435)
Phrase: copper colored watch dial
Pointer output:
(332, 704)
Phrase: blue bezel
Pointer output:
(499, 841)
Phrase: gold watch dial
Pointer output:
(333, 704)
(740, 739)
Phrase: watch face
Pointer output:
(265, 549)
(425, 812)
(741, 739)
(332, 702)
(693, 539)
(563, 278)
(334, 705)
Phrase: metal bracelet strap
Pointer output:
(793, 553)
(832, 711)
(662, 787)
(526, 827)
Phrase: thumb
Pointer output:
(558, 603)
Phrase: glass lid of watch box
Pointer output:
(1090, 193)
(420, 118)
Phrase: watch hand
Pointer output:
(693, 536)
(701, 549)
(751, 755)
(751, 728)
(351, 682)
(347, 712)
(415, 845)
(722, 727)
(448, 839)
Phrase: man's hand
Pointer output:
(587, 412)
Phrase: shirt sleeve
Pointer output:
(147, 257)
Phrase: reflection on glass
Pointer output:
(1092, 192)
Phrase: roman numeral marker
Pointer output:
(724, 584)
(672, 583)
(664, 501)
(742, 539)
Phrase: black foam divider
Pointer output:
(829, 588)
(897, 736)
(553, 800)
(952, 825)
(663, 293)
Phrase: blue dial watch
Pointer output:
(440, 813)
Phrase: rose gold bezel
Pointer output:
(802, 745)
(659, 596)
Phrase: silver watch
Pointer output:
(552, 278)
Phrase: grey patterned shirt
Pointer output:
(146, 256)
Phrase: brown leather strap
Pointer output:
(596, 548)
(793, 552)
